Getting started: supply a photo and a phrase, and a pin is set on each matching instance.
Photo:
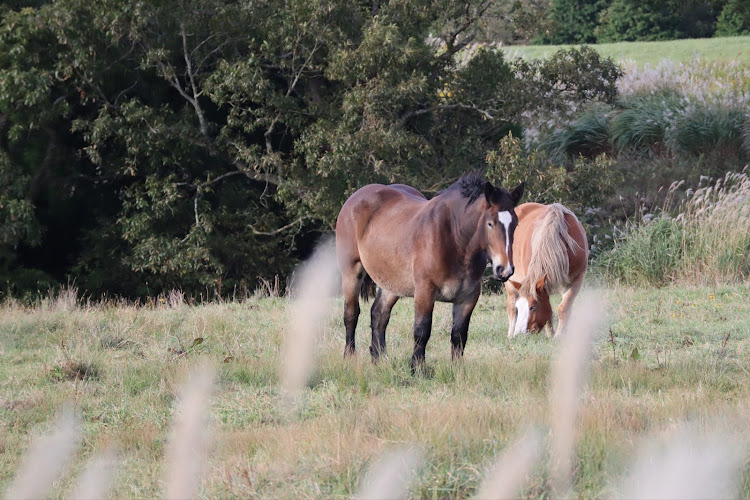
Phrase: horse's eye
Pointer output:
(489, 224)
(532, 308)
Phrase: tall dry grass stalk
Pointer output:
(716, 238)
(45, 459)
(705, 243)
(389, 476)
(188, 445)
(314, 284)
(687, 466)
(512, 468)
(568, 375)
(96, 480)
(63, 300)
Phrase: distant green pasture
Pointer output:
(710, 49)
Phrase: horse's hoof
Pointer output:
(420, 368)
(349, 352)
(376, 353)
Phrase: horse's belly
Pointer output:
(391, 274)
(456, 291)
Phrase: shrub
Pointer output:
(585, 183)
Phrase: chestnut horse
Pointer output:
(551, 255)
(432, 250)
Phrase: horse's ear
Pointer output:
(540, 283)
(517, 193)
(489, 190)
(515, 285)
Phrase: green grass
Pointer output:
(694, 347)
(723, 50)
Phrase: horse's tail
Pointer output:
(549, 249)
(367, 289)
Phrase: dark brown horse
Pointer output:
(427, 249)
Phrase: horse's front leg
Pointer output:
(510, 308)
(424, 303)
(461, 317)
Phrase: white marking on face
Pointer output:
(505, 219)
(522, 316)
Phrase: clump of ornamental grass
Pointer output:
(588, 136)
(705, 240)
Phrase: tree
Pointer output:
(574, 21)
(734, 19)
(201, 144)
(629, 20)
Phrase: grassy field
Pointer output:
(664, 357)
(724, 50)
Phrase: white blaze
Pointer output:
(522, 316)
(505, 219)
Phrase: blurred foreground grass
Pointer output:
(664, 357)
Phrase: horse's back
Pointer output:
(369, 201)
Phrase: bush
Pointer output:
(585, 183)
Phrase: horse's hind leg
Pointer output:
(380, 314)
(460, 331)
(566, 305)
(351, 283)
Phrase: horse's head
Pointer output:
(533, 309)
(500, 221)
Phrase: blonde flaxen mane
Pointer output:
(550, 242)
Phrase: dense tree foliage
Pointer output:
(202, 144)
(574, 21)
(734, 19)
(589, 21)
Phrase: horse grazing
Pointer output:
(551, 255)
(432, 250)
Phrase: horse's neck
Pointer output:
(465, 225)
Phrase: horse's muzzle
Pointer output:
(503, 274)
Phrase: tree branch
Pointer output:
(445, 107)
(191, 76)
(281, 229)
(471, 18)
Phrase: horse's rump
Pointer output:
(551, 247)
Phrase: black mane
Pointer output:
(471, 186)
